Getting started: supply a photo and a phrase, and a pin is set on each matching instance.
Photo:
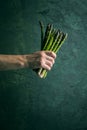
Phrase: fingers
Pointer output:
(48, 59)
(51, 59)
(41, 59)
(51, 54)
(47, 65)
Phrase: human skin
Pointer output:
(44, 59)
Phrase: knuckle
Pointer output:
(42, 53)
(54, 55)
(50, 64)
(53, 61)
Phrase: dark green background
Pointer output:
(58, 102)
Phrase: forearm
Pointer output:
(11, 62)
(44, 59)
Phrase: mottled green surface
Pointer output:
(60, 101)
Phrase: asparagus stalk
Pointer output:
(43, 73)
(55, 40)
(47, 37)
(46, 41)
(52, 40)
(42, 34)
(61, 43)
(58, 41)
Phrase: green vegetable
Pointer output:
(52, 40)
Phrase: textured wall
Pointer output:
(58, 102)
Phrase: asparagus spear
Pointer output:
(51, 44)
(52, 40)
(55, 40)
(46, 40)
(47, 37)
(61, 40)
(43, 72)
(42, 34)
(58, 41)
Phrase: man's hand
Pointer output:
(41, 59)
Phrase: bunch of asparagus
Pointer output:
(51, 40)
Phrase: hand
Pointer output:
(41, 59)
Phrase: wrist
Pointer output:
(27, 60)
